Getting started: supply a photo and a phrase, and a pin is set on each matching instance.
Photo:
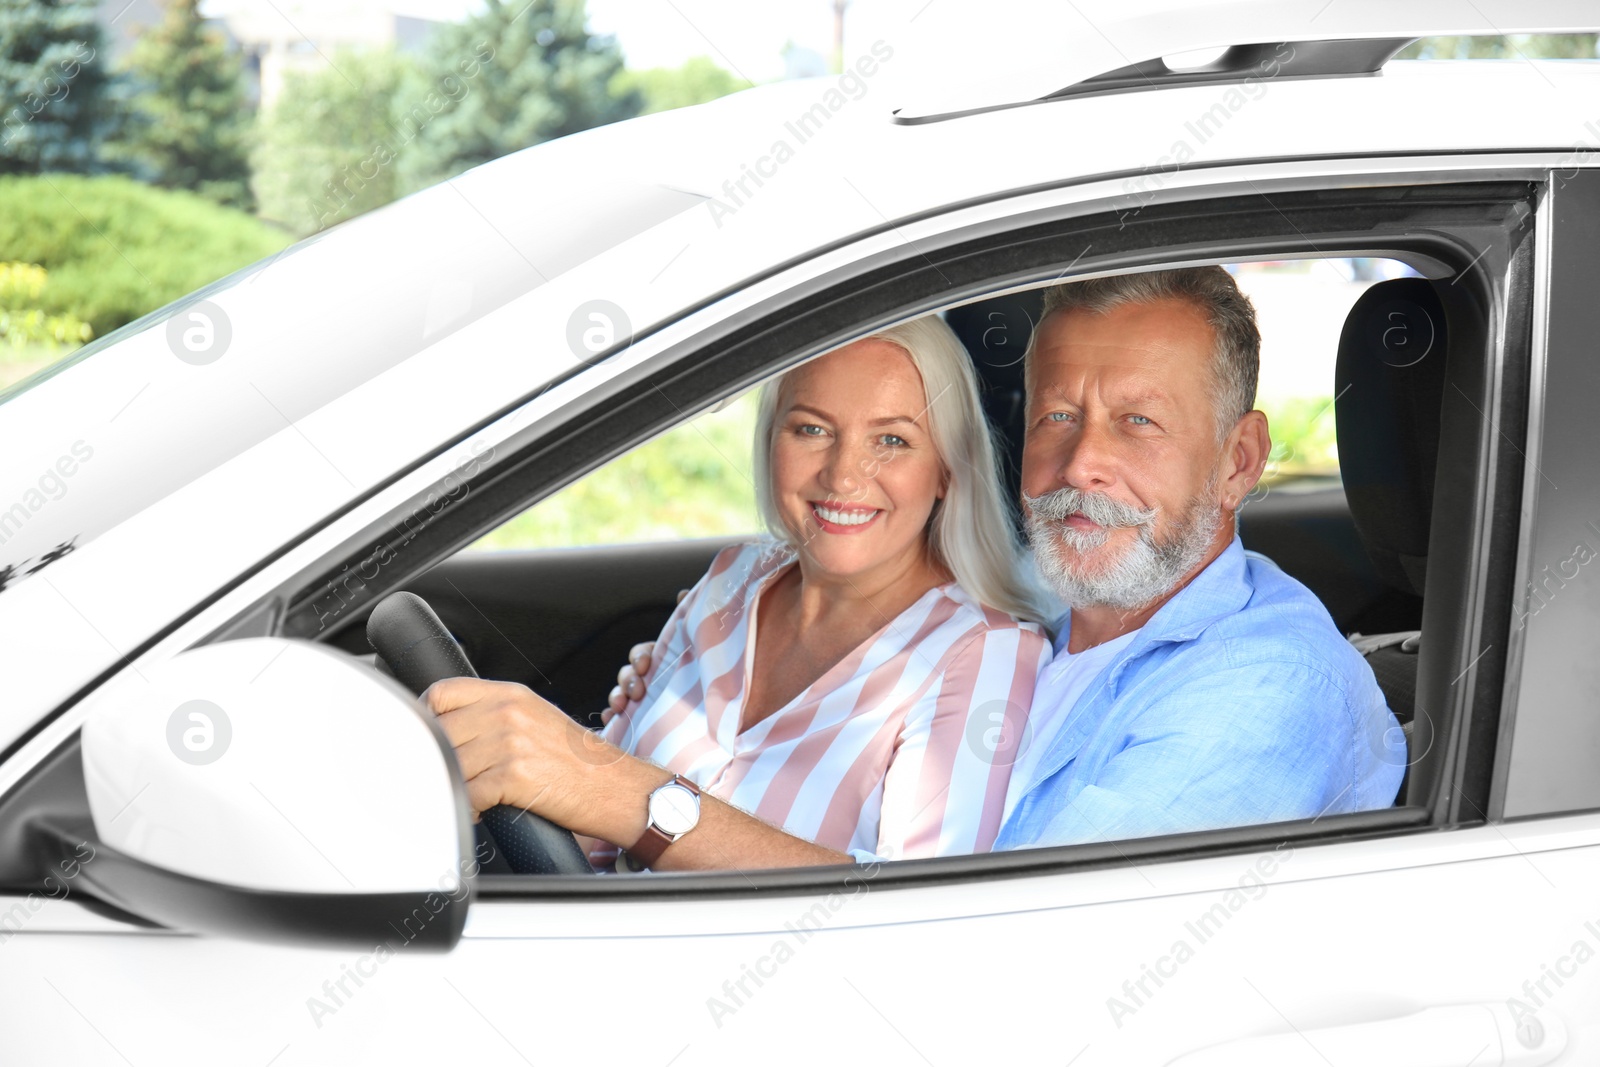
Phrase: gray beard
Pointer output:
(1148, 570)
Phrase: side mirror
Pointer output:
(273, 790)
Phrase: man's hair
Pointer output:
(1236, 358)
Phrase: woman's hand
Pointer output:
(517, 748)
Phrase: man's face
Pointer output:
(1120, 462)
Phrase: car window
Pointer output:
(561, 618)
(691, 481)
(1301, 307)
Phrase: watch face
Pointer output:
(674, 810)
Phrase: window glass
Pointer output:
(691, 481)
(1301, 306)
(694, 479)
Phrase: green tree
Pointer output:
(190, 117)
(665, 88)
(52, 87)
(530, 72)
(327, 149)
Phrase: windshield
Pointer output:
(152, 406)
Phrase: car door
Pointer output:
(1338, 940)
(1125, 952)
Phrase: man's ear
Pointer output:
(1244, 458)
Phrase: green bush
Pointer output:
(22, 323)
(116, 249)
(692, 481)
(1303, 444)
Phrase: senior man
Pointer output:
(1194, 684)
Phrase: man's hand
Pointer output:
(517, 748)
(630, 680)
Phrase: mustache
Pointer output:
(1098, 508)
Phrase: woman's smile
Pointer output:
(835, 518)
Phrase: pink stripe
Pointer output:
(670, 719)
(1031, 649)
(688, 755)
(843, 816)
(945, 734)
(732, 621)
(808, 751)
(879, 684)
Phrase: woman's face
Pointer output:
(854, 468)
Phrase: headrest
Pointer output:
(1389, 386)
(996, 332)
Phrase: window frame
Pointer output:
(868, 294)
(1544, 723)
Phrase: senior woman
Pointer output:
(855, 687)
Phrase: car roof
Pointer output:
(864, 170)
(1067, 44)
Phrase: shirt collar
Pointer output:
(1220, 590)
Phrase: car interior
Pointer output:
(1360, 547)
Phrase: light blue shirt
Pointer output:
(1238, 702)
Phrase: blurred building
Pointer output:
(278, 36)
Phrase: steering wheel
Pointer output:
(411, 641)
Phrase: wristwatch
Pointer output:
(674, 811)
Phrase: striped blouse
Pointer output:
(898, 751)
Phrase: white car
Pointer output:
(226, 838)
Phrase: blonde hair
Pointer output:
(970, 532)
